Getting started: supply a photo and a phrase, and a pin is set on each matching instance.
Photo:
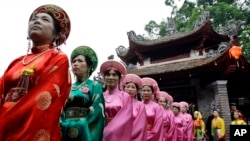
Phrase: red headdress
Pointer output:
(60, 15)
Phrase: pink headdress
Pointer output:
(184, 104)
(165, 95)
(146, 81)
(162, 94)
(176, 104)
(112, 64)
(170, 98)
(132, 78)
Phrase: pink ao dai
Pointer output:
(188, 126)
(139, 131)
(179, 127)
(119, 113)
(154, 121)
(169, 125)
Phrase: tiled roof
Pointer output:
(175, 66)
(205, 27)
(138, 44)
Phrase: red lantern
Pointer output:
(236, 52)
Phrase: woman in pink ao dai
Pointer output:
(179, 122)
(132, 84)
(153, 110)
(164, 99)
(118, 104)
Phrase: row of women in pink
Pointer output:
(126, 118)
(183, 122)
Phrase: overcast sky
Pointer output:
(100, 24)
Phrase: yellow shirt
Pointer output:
(218, 123)
(238, 122)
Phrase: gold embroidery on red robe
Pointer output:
(42, 135)
(43, 100)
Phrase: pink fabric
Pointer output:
(132, 78)
(147, 81)
(162, 94)
(169, 125)
(155, 120)
(170, 98)
(184, 103)
(176, 104)
(188, 126)
(112, 64)
(179, 128)
(120, 110)
(139, 131)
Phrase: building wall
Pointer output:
(222, 100)
(215, 94)
(205, 98)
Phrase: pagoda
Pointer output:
(204, 67)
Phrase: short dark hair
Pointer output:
(117, 72)
(137, 87)
(152, 89)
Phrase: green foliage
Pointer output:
(221, 12)
(244, 41)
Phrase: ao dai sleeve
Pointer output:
(1, 92)
(139, 132)
(189, 128)
(169, 135)
(203, 128)
(120, 127)
(222, 124)
(157, 130)
(96, 116)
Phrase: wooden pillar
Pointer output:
(222, 102)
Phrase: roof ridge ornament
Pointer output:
(170, 27)
(233, 28)
(121, 50)
(204, 17)
(132, 36)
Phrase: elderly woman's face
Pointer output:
(111, 78)
(80, 67)
(41, 28)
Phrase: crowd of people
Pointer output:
(38, 101)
